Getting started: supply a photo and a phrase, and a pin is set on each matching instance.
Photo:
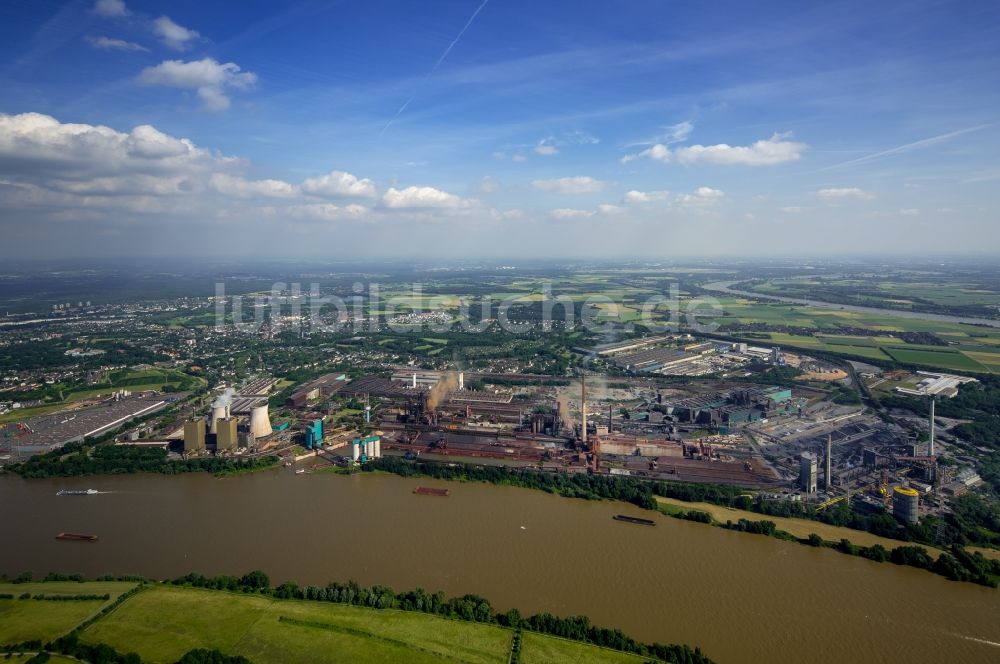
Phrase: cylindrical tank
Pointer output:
(355, 451)
(905, 504)
(377, 447)
(369, 449)
(260, 423)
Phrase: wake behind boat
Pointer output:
(78, 492)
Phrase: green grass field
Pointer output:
(163, 622)
(539, 649)
(29, 619)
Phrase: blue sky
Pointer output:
(634, 128)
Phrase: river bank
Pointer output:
(802, 528)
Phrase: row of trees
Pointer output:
(75, 459)
(471, 608)
(586, 486)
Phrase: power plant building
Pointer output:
(807, 472)
(225, 435)
(905, 504)
(314, 434)
(194, 435)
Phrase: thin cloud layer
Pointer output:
(834, 194)
(111, 44)
(580, 184)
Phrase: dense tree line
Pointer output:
(570, 485)
(101, 653)
(75, 459)
(470, 608)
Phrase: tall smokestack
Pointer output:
(461, 380)
(930, 448)
(583, 405)
(829, 447)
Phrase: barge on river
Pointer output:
(76, 537)
(634, 519)
(430, 491)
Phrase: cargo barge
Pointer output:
(76, 537)
(430, 491)
(78, 492)
(634, 519)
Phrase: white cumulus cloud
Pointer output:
(242, 188)
(173, 35)
(639, 197)
(702, 197)
(580, 184)
(766, 152)
(207, 76)
(423, 198)
(339, 183)
(775, 150)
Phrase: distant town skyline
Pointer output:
(499, 128)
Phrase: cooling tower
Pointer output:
(260, 424)
(218, 413)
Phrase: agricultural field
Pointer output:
(539, 649)
(29, 619)
(905, 292)
(968, 348)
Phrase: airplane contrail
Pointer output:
(438, 63)
(907, 147)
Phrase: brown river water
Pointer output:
(740, 597)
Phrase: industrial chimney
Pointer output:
(583, 405)
(829, 447)
(930, 447)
